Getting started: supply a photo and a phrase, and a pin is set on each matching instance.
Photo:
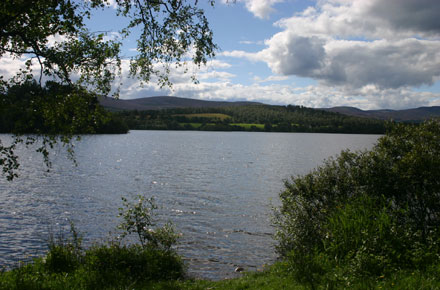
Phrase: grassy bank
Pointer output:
(101, 267)
(130, 268)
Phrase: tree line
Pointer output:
(53, 109)
(265, 118)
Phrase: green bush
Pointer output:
(138, 217)
(368, 213)
(133, 261)
(64, 254)
(364, 234)
(114, 265)
(100, 267)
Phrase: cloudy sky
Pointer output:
(372, 54)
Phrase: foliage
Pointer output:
(278, 276)
(274, 277)
(112, 265)
(53, 36)
(51, 113)
(202, 116)
(8, 160)
(368, 213)
(169, 30)
(30, 27)
(52, 109)
(64, 255)
(138, 218)
(251, 118)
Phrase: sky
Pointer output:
(370, 54)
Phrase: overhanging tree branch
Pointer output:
(170, 29)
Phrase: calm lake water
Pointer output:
(216, 187)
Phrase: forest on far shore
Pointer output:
(263, 118)
(32, 109)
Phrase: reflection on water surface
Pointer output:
(217, 188)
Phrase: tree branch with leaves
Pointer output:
(53, 35)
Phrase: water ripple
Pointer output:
(217, 188)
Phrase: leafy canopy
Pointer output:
(52, 35)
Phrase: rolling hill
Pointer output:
(408, 115)
(164, 102)
(167, 102)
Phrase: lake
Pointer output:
(216, 187)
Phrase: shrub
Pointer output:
(123, 265)
(370, 212)
(364, 234)
(105, 266)
(64, 253)
(138, 218)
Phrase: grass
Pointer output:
(121, 276)
(37, 276)
(279, 277)
(100, 267)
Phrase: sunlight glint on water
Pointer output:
(216, 187)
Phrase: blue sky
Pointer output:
(371, 54)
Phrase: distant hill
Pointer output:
(163, 102)
(166, 102)
(408, 115)
(190, 114)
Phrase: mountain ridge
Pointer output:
(405, 115)
(165, 102)
(172, 102)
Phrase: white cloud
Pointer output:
(215, 63)
(10, 66)
(241, 54)
(56, 39)
(216, 84)
(384, 63)
(354, 44)
(289, 54)
(112, 4)
(261, 8)
(364, 53)
(420, 17)
(216, 75)
(112, 35)
(221, 87)
(311, 96)
(371, 19)
(248, 42)
(179, 76)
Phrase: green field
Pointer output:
(248, 126)
(245, 126)
(194, 125)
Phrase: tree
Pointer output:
(53, 35)
(367, 212)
